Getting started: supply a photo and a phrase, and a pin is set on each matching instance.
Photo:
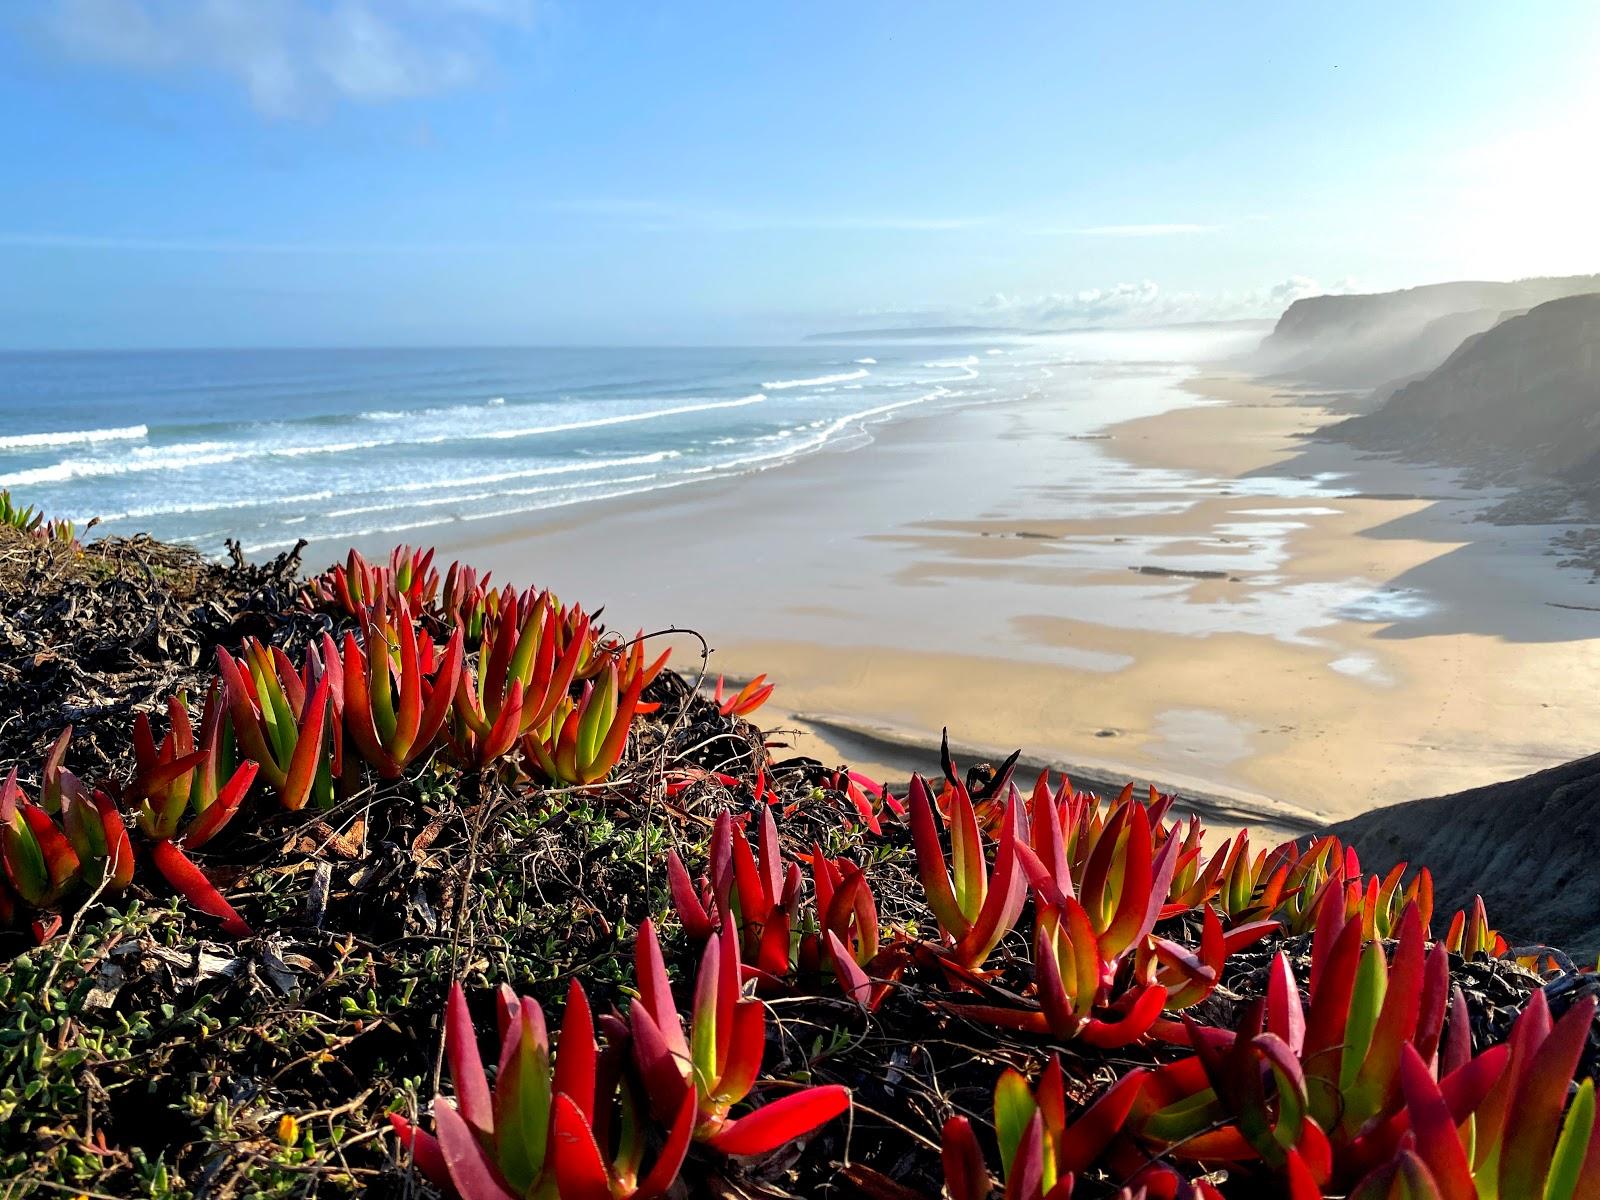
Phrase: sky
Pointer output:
(506, 172)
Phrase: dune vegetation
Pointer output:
(390, 880)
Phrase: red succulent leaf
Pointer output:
(1134, 1023)
(575, 1064)
(1002, 903)
(1284, 1014)
(691, 912)
(1533, 1121)
(581, 1171)
(307, 753)
(190, 882)
(662, 1068)
(466, 1067)
(1025, 1174)
(206, 826)
(655, 989)
(782, 1121)
(931, 864)
(1086, 1139)
(424, 1149)
(851, 977)
(474, 1176)
(1438, 1144)
(965, 1175)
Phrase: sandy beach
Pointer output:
(1195, 595)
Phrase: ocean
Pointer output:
(267, 446)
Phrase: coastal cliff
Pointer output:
(1368, 341)
(1523, 396)
(1526, 846)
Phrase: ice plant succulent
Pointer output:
(468, 602)
(629, 655)
(23, 519)
(1040, 1150)
(397, 689)
(184, 800)
(501, 1143)
(91, 821)
(584, 739)
(523, 675)
(1336, 1101)
(182, 809)
(746, 700)
(1251, 887)
(357, 585)
(1518, 1140)
(753, 896)
(975, 907)
(1469, 933)
(277, 722)
(38, 857)
(847, 923)
(719, 1060)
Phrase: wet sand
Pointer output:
(1197, 596)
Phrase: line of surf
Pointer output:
(783, 385)
(72, 437)
(186, 457)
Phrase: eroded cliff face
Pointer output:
(1523, 395)
(1527, 846)
(1367, 341)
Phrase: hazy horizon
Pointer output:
(325, 173)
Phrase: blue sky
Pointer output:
(370, 172)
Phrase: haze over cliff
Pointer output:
(1525, 395)
(1386, 338)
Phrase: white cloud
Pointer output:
(1143, 303)
(295, 57)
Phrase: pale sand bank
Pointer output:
(1201, 598)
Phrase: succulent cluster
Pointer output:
(29, 520)
(1132, 927)
(1188, 1017)
(545, 690)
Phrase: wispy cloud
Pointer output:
(295, 57)
(1171, 229)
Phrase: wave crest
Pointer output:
(783, 385)
(73, 437)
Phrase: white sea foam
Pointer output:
(477, 497)
(177, 510)
(871, 362)
(200, 454)
(970, 360)
(831, 429)
(615, 419)
(72, 437)
(599, 464)
(503, 512)
(448, 410)
(576, 491)
(783, 385)
(181, 449)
